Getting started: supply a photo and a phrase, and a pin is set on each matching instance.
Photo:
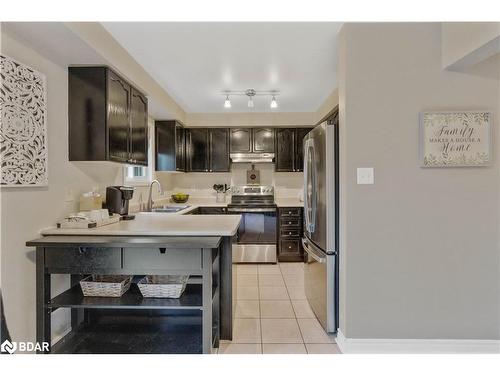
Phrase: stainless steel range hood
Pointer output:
(253, 158)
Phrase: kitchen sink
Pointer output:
(169, 209)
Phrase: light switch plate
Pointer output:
(365, 176)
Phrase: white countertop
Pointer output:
(289, 202)
(173, 224)
(194, 203)
(161, 224)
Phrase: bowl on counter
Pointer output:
(179, 198)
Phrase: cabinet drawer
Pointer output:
(290, 233)
(84, 258)
(290, 246)
(288, 212)
(292, 222)
(162, 259)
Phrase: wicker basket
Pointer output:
(105, 286)
(167, 286)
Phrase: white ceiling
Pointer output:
(195, 62)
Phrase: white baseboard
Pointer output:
(417, 346)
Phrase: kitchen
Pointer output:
(182, 177)
(243, 188)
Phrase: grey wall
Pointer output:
(420, 251)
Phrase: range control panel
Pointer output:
(252, 190)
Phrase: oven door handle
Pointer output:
(250, 210)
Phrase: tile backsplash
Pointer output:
(287, 184)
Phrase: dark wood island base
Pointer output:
(194, 323)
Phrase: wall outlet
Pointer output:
(365, 176)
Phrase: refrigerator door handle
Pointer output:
(315, 254)
(309, 185)
(306, 184)
(314, 196)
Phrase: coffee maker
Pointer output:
(117, 198)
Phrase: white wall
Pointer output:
(461, 39)
(419, 248)
(25, 211)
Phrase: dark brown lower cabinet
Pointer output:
(290, 234)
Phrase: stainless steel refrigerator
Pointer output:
(320, 239)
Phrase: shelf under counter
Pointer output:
(132, 299)
(135, 335)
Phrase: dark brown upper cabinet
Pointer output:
(263, 140)
(170, 146)
(259, 140)
(207, 150)
(285, 155)
(241, 140)
(138, 132)
(180, 145)
(219, 150)
(197, 146)
(289, 149)
(108, 117)
(299, 148)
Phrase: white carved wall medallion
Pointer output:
(23, 122)
(455, 138)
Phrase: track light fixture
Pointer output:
(250, 93)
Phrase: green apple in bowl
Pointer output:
(180, 197)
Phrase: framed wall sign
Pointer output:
(455, 138)
(23, 125)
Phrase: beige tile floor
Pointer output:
(272, 314)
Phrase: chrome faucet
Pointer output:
(150, 203)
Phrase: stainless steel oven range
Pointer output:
(256, 239)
